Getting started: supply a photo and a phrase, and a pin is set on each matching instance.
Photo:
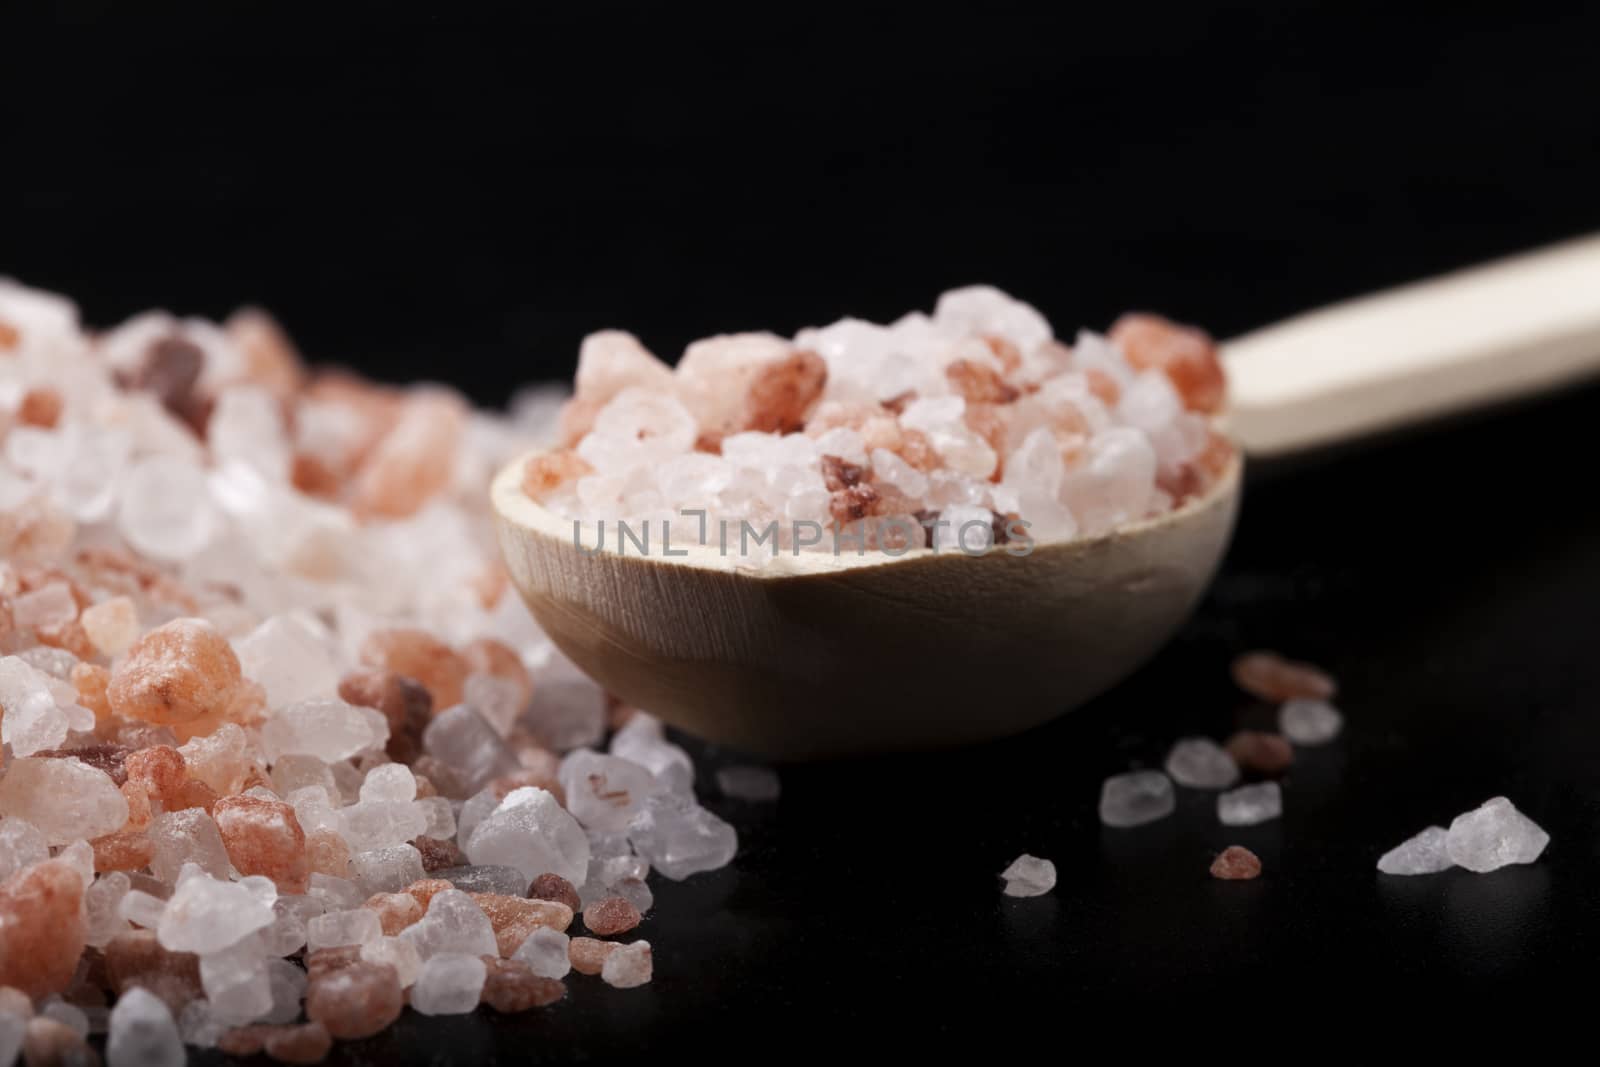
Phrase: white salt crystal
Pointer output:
(745, 782)
(386, 870)
(246, 426)
(460, 739)
(141, 909)
(1426, 853)
(31, 720)
(498, 700)
(290, 658)
(1250, 804)
(292, 773)
(439, 820)
(339, 893)
(532, 832)
(111, 625)
(604, 792)
(1136, 798)
(207, 914)
(396, 952)
(1309, 722)
(375, 824)
(328, 729)
(287, 985)
(290, 915)
(1494, 835)
(642, 740)
(389, 782)
(450, 984)
(166, 508)
(1116, 482)
(21, 845)
(983, 309)
(334, 928)
(453, 924)
(568, 708)
(546, 951)
(199, 1026)
(1201, 763)
(681, 838)
(143, 1033)
(236, 983)
(184, 837)
(102, 907)
(49, 605)
(628, 966)
(1029, 876)
(64, 799)
(13, 1028)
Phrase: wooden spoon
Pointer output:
(821, 655)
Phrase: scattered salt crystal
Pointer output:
(236, 982)
(450, 984)
(506, 881)
(680, 838)
(184, 837)
(628, 966)
(141, 908)
(1029, 876)
(604, 792)
(545, 951)
(1426, 853)
(1136, 798)
(111, 625)
(1309, 721)
(1201, 763)
(743, 782)
(1494, 835)
(1250, 804)
(291, 659)
(532, 832)
(1235, 864)
(143, 1033)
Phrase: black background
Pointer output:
(462, 194)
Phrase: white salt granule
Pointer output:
(1494, 835)
(1136, 798)
(1305, 721)
(1426, 853)
(1029, 876)
(449, 984)
(1201, 763)
(1250, 804)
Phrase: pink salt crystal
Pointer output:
(355, 1001)
(588, 955)
(304, 1043)
(514, 918)
(159, 773)
(91, 680)
(137, 958)
(549, 471)
(270, 357)
(419, 655)
(978, 383)
(425, 889)
(127, 851)
(1271, 677)
(608, 362)
(42, 928)
(52, 1043)
(415, 459)
(1263, 753)
(36, 532)
(41, 407)
(405, 705)
(327, 853)
(511, 987)
(325, 961)
(1236, 863)
(612, 915)
(220, 759)
(396, 911)
(264, 837)
(111, 625)
(1187, 356)
(554, 887)
(439, 854)
(175, 674)
(500, 660)
(783, 392)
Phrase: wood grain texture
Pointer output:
(822, 655)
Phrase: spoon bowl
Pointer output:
(816, 654)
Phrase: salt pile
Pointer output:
(956, 430)
(280, 742)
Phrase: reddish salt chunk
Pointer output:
(127, 851)
(1263, 753)
(355, 1001)
(783, 392)
(549, 471)
(1271, 677)
(325, 961)
(511, 987)
(609, 916)
(496, 658)
(175, 674)
(396, 911)
(979, 384)
(554, 887)
(414, 460)
(327, 853)
(41, 406)
(405, 705)
(35, 532)
(271, 360)
(109, 758)
(159, 772)
(264, 837)
(419, 655)
(1236, 863)
(424, 890)
(439, 854)
(1187, 356)
(42, 929)
(588, 955)
(136, 958)
(91, 680)
(170, 369)
(514, 918)
(837, 474)
(301, 1043)
(1009, 355)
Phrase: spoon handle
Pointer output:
(1507, 329)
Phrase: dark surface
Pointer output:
(463, 196)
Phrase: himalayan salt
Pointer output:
(222, 759)
(454, 923)
(1426, 853)
(396, 953)
(504, 881)
(546, 952)
(1236, 863)
(419, 655)
(554, 887)
(357, 1000)
(1028, 876)
(438, 855)
(385, 870)
(450, 984)
(610, 916)
(137, 959)
(64, 799)
(681, 838)
(604, 792)
(42, 927)
(207, 914)
(1136, 798)
(131, 851)
(290, 658)
(112, 625)
(325, 961)
(425, 889)
(530, 831)
(1185, 355)
(263, 837)
(327, 853)
(1494, 835)
(1201, 763)
(334, 928)
(13, 1026)
(143, 1033)
(510, 987)
(743, 782)
(464, 742)
(414, 460)
(176, 673)
(1262, 753)
(52, 1043)
(406, 706)
(1305, 721)
(186, 837)
(1271, 677)
(159, 773)
(21, 846)
(486, 655)
(588, 955)
(329, 730)
(1250, 804)
(30, 720)
(394, 911)
(628, 967)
